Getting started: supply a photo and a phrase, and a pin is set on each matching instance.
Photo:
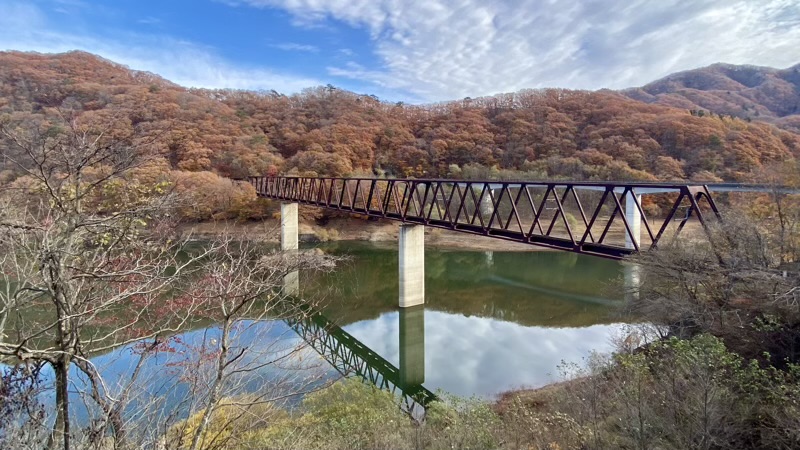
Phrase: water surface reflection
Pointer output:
(493, 321)
(470, 355)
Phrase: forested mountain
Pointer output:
(531, 134)
(747, 92)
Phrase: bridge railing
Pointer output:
(603, 219)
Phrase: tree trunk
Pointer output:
(112, 410)
(216, 386)
(59, 438)
(118, 428)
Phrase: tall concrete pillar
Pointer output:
(634, 218)
(412, 346)
(412, 265)
(289, 244)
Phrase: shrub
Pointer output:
(679, 394)
(207, 196)
(231, 425)
(327, 234)
(349, 414)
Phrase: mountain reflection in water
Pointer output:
(492, 322)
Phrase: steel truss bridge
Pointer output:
(351, 358)
(605, 219)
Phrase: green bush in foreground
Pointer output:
(354, 415)
(684, 394)
(675, 394)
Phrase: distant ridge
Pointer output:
(81, 67)
(745, 91)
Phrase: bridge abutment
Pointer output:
(289, 244)
(412, 346)
(634, 218)
(412, 265)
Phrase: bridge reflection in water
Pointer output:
(351, 358)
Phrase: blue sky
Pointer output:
(410, 50)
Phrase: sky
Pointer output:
(417, 51)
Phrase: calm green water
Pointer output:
(493, 321)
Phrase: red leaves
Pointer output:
(171, 344)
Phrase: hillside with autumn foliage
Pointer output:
(199, 136)
(747, 92)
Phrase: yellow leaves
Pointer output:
(104, 239)
(234, 420)
(162, 187)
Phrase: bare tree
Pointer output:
(240, 290)
(738, 286)
(78, 261)
(92, 262)
(22, 416)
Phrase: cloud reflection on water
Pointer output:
(468, 355)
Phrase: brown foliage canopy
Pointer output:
(551, 133)
(747, 92)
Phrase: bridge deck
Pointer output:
(581, 217)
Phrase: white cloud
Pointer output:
(149, 20)
(444, 49)
(24, 27)
(295, 47)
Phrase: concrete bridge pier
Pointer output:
(412, 346)
(412, 265)
(289, 244)
(634, 218)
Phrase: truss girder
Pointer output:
(580, 217)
